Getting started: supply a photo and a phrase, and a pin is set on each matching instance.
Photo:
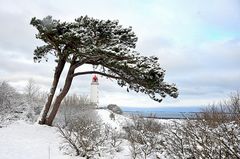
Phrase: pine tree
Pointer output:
(107, 46)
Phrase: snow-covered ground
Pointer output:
(21, 140)
(115, 123)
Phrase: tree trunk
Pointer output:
(57, 74)
(61, 96)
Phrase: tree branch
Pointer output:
(95, 72)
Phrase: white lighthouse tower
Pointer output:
(94, 96)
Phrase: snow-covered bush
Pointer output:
(88, 136)
(112, 116)
(7, 96)
(73, 106)
(115, 109)
(15, 105)
(34, 99)
(12, 104)
(85, 135)
(234, 106)
(115, 138)
(143, 136)
(196, 139)
(214, 134)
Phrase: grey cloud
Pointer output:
(17, 34)
(14, 63)
(223, 14)
(203, 70)
(212, 70)
(227, 50)
(218, 13)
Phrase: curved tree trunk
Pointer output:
(57, 74)
(61, 96)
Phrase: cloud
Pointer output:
(17, 33)
(197, 42)
(210, 69)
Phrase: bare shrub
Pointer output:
(35, 99)
(214, 134)
(73, 106)
(213, 115)
(223, 112)
(11, 105)
(84, 135)
(114, 139)
(186, 140)
(143, 136)
(7, 96)
(196, 139)
(32, 91)
(15, 105)
(233, 106)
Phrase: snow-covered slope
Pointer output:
(22, 140)
(117, 123)
(25, 141)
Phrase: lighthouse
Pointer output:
(94, 97)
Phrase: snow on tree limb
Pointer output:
(107, 44)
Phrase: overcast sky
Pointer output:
(197, 41)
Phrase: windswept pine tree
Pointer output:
(104, 44)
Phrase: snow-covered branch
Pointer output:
(96, 72)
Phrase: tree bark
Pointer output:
(58, 71)
(61, 96)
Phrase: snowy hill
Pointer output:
(22, 140)
(117, 123)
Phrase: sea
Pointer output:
(164, 112)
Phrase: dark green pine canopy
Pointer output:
(107, 46)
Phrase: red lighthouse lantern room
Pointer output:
(94, 79)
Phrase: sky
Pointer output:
(197, 42)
